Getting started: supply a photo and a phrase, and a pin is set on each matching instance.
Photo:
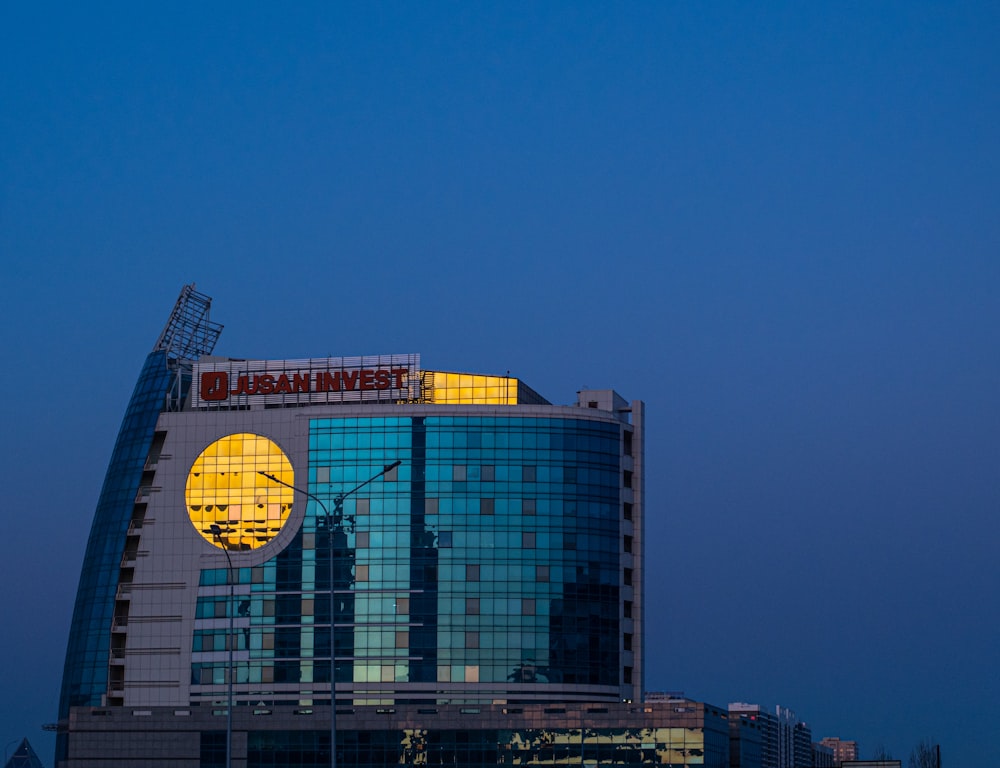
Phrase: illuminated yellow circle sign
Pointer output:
(225, 489)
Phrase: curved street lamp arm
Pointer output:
(386, 469)
(338, 500)
(312, 496)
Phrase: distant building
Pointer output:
(842, 750)
(745, 742)
(786, 742)
(801, 755)
(822, 756)
(768, 725)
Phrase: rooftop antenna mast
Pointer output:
(188, 334)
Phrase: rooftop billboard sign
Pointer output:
(228, 383)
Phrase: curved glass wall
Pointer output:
(85, 675)
(490, 557)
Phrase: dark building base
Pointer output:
(676, 733)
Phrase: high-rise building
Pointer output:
(802, 746)
(769, 730)
(786, 741)
(745, 741)
(470, 554)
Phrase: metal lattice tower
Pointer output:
(189, 333)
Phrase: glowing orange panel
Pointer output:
(224, 488)
(472, 389)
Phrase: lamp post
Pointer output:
(217, 533)
(331, 521)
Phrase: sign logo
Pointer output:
(214, 385)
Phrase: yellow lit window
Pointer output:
(224, 489)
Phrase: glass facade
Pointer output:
(487, 563)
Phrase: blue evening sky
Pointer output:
(775, 223)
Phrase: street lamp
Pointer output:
(217, 533)
(331, 520)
